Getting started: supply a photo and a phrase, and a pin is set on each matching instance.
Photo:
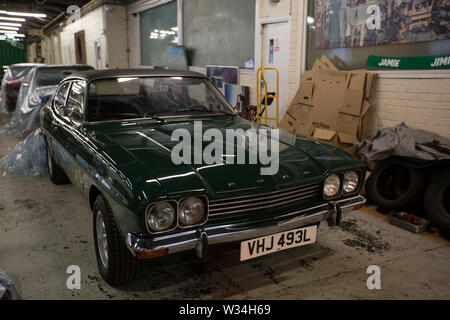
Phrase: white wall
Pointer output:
(93, 25)
(116, 35)
(106, 24)
(422, 103)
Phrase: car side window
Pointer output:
(61, 95)
(74, 108)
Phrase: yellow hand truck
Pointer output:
(266, 96)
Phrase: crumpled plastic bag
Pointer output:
(402, 141)
(10, 288)
(28, 158)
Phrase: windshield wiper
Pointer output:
(128, 114)
(200, 110)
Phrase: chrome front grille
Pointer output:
(243, 204)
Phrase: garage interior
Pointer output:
(323, 69)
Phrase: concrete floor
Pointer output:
(46, 228)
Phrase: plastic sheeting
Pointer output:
(3, 96)
(29, 102)
(9, 287)
(404, 142)
(28, 157)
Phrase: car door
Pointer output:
(54, 124)
(70, 131)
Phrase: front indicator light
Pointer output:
(152, 254)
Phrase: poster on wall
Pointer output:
(358, 23)
(227, 74)
(238, 96)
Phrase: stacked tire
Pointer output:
(437, 202)
(401, 185)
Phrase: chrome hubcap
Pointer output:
(102, 242)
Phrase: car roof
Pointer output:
(63, 66)
(17, 65)
(120, 73)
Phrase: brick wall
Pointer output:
(420, 103)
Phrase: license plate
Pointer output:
(276, 242)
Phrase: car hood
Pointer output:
(301, 161)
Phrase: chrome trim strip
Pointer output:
(241, 231)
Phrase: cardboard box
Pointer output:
(287, 123)
(330, 105)
(368, 88)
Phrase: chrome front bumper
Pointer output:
(204, 236)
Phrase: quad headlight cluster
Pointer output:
(335, 184)
(167, 215)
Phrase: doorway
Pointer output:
(275, 54)
(80, 47)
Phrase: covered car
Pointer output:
(11, 82)
(113, 134)
(37, 87)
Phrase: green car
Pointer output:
(113, 134)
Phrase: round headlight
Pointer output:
(332, 185)
(160, 216)
(192, 211)
(351, 181)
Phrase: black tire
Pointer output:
(10, 107)
(121, 266)
(437, 202)
(55, 172)
(394, 184)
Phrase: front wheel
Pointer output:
(115, 262)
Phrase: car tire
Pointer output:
(115, 262)
(10, 107)
(55, 172)
(394, 184)
(437, 202)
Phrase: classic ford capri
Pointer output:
(112, 135)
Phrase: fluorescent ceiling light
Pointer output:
(8, 31)
(19, 35)
(13, 19)
(10, 24)
(24, 14)
(9, 28)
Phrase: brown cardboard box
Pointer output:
(287, 123)
(330, 105)
(370, 80)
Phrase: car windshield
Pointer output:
(19, 72)
(131, 98)
(53, 76)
